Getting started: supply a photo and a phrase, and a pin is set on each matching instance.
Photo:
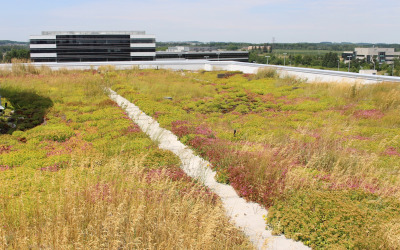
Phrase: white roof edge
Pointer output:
(41, 55)
(43, 46)
(143, 45)
(133, 54)
(49, 37)
(143, 36)
(93, 32)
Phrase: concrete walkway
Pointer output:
(247, 216)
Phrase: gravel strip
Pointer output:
(247, 216)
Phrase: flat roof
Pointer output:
(201, 52)
(46, 33)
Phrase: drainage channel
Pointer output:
(247, 216)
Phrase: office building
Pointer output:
(92, 46)
(190, 49)
(377, 55)
(104, 46)
(204, 53)
(239, 56)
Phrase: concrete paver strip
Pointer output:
(248, 216)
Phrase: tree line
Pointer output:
(330, 60)
(286, 46)
(331, 46)
(21, 53)
(12, 49)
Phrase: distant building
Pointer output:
(347, 55)
(240, 56)
(190, 49)
(368, 72)
(378, 55)
(92, 46)
(204, 53)
(264, 48)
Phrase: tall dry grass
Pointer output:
(23, 67)
(266, 73)
(115, 205)
(100, 199)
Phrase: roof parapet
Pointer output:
(46, 33)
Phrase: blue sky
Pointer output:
(256, 21)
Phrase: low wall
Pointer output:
(307, 74)
(310, 75)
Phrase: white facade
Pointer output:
(379, 55)
(143, 36)
(143, 45)
(43, 37)
(42, 46)
(178, 49)
(369, 72)
(92, 46)
(142, 54)
(43, 55)
(137, 45)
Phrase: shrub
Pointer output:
(333, 219)
(54, 132)
(243, 109)
(266, 73)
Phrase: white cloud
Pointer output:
(223, 20)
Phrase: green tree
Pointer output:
(253, 56)
(307, 60)
(298, 59)
(232, 47)
(330, 60)
(17, 54)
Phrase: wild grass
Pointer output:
(280, 142)
(164, 84)
(266, 73)
(324, 158)
(87, 177)
(112, 204)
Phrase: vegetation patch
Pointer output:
(86, 176)
(279, 141)
(338, 219)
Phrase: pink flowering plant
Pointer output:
(277, 141)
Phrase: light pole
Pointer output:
(373, 62)
(348, 57)
(218, 55)
(1, 107)
(284, 59)
(267, 59)
(393, 68)
(338, 64)
(290, 63)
